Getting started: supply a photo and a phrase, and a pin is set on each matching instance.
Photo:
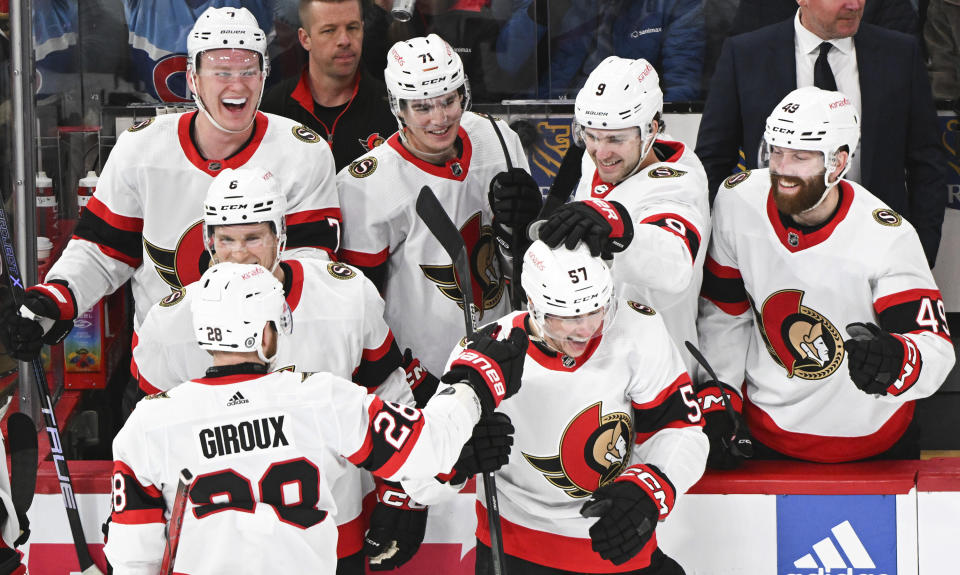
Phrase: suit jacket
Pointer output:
(901, 161)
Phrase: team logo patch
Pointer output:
(665, 172)
(802, 341)
(175, 297)
(887, 217)
(486, 279)
(363, 168)
(340, 271)
(305, 134)
(371, 141)
(161, 395)
(594, 450)
(568, 362)
(639, 307)
(735, 179)
(140, 125)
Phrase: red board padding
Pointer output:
(801, 478)
(941, 474)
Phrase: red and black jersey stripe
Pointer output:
(679, 227)
(675, 406)
(119, 237)
(315, 229)
(913, 311)
(392, 432)
(724, 287)
(377, 364)
(133, 503)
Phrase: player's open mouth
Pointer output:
(442, 132)
(786, 184)
(234, 104)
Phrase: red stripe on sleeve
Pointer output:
(124, 223)
(905, 296)
(364, 259)
(378, 353)
(361, 454)
(308, 216)
(723, 272)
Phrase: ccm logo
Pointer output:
(486, 369)
(399, 499)
(653, 485)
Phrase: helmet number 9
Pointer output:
(600, 88)
(214, 334)
(575, 275)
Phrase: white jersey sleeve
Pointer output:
(380, 370)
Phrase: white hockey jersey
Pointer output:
(579, 424)
(257, 446)
(338, 328)
(378, 195)
(144, 222)
(670, 207)
(775, 304)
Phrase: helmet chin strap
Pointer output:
(827, 186)
(645, 149)
(199, 101)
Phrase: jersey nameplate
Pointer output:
(239, 437)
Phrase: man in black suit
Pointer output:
(880, 70)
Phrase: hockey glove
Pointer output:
(491, 367)
(422, 383)
(397, 525)
(605, 227)
(46, 317)
(515, 200)
(874, 358)
(730, 441)
(629, 508)
(487, 450)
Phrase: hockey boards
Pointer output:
(46, 407)
(176, 522)
(439, 224)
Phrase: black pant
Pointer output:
(907, 447)
(660, 564)
(351, 564)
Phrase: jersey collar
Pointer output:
(455, 169)
(599, 188)
(292, 282)
(795, 239)
(213, 167)
(675, 149)
(552, 360)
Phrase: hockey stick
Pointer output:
(439, 224)
(176, 522)
(22, 440)
(562, 188)
(515, 256)
(740, 443)
(49, 418)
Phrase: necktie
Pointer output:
(822, 74)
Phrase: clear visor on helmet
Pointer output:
(613, 138)
(422, 112)
(556, 329)
(797, 163)
(229, 64)
(230, 239)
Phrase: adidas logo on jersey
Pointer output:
(237, 399)
(829, 561)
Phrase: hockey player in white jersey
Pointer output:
(642, 195)
(257, 443)
(616, 425)
(142, 223)
(817, 298)
(458, 154)
(244, 223)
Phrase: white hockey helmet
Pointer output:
(621, 93)
(233, 304)
(813, 119)
(226, 27)
(423, 68)
(246, 195)
(563, 283)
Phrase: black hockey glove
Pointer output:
(10, 562)
(487, 450)
(515, 200)
(397, 525)
(422, 383)
(492, 367)
(874, 357)
(45, 317)
(605, 227)
(730, 441)
(629, 508)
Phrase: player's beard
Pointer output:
(809, 191)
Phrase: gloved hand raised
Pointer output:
(491, 367)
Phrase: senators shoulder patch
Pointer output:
(140, 125)
(340, 271)
(363, 167)
(640, 308)
(665, 172)
(174, 298)
(887, 217)
(735, 179)
(305, 134)
(161, 395)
